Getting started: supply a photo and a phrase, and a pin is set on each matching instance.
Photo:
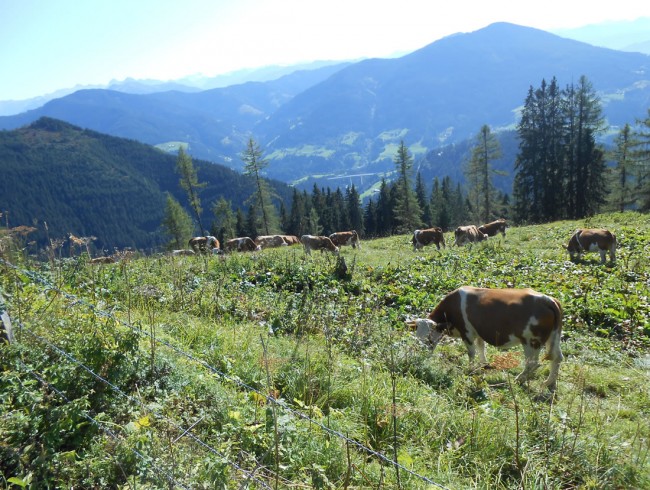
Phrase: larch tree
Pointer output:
(176, 223)
(479, 172)
(262, 213)
(407, 211)
(189, 183)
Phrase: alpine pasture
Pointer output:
(277, 369)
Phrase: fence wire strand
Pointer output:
(270, 399)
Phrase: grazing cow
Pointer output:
(322, 243)
(421, 238)
(500, 317)
(270, 241)
(494, 227)
(341, 238)
(592, 240)
(183, 252)
(290, 239)
(468, 234)
(203, 243)
(103, 260)
(241, 244)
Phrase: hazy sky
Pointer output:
(46, 45)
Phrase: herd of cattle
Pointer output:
(332, 243)
(499, 317)
(583, 240)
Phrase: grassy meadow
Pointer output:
(282, 370)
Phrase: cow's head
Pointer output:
(428, 331)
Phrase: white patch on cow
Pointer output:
(469, 328)
(593, 247)
(427, 333)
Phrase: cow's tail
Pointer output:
(553, 350)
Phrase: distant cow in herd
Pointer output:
(592, 240)
(322, 243)
(500, 317)
(241, 244)
(422, 238)
(468, 234)
(494, 227)
(341, 238)
(290, 239)
(270, 241)
(203, 244)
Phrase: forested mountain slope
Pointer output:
(90, 184)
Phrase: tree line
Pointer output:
(561, 172)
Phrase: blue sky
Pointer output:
(46, 45)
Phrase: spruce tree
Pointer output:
(425, 204)
(642, 162)
(407, 211)
(354, 211)
(224, 223)
(622, 174)
(585, 158)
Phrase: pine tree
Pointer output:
(189, 182)
(479, 171)
(177, 223)
(407, 212)
(265, 217)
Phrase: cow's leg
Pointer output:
(602, 256)
(482, 352)
(554, 354)
(612, 253)
(471, 351)
(531, 355)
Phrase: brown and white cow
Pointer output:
(103, 260)
(182, 253)
(468, 234)
(291, 239)
(241, 244)
(270, 241)
(500, 317)
(203, 243)
(322, 243)
(592, 240)
(422, 238)
(341, 238)
(494, 227)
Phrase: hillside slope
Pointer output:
(90, 184)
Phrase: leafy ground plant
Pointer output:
(270, 370)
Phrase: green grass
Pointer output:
(336, 350)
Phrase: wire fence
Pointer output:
(75, 300)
